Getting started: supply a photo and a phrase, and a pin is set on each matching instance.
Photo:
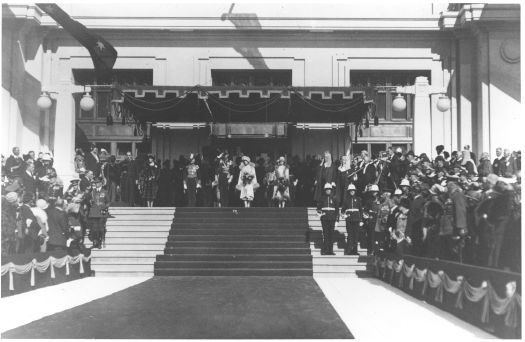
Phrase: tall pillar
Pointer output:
(465, 93)
(422, 119)
(64, 139)
(482, 141)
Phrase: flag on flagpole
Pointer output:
(103, 54)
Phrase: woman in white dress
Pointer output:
(247, 181)
(281, 190)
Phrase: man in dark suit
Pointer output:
(58, 226)
(92, 161)
(498, 163)
(15, 164)
(28, 179)
(367, 175)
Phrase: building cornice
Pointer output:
(237, 22)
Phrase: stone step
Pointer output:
(238, 225)
(136, 234)
(254, 265)
(105, 253)
(124, 268)
(235, 231)
(142, 222)
(237, 244)
(233, 272)
(140, 217)
(135, 247)
(123, 274)
(236, 257)
(138, 228)
(243, 237)
(113, 260)
(129, 240)
(234, 251)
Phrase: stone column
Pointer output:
(64, 146)
(422, 119)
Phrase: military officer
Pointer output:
(328, 209)
(371, 211)
(353, 212)
(98, 214)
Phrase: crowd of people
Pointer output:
(454, 207)
(40, 214)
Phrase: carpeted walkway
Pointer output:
(199, 308)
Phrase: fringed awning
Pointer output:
(247, 104)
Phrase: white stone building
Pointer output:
(470, 52)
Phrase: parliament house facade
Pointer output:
(294, 79)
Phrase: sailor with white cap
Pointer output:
(328, 209)
(352, 209)
(371, 211)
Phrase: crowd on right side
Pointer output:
(450, 208)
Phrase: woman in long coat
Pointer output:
(149, 181)
(281, 190)
(247, 182)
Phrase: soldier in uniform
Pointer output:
(98, 214)
(328, 209)
(192, 181)
(371, 211)
(352, 209)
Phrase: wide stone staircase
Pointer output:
(237, 241)
(134, 237)
(221, 241)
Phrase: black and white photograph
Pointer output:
(261, 170)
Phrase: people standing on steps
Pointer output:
(191, 181)
(149, 181)
(328, 210)
(281, 190)
(353, 212)
(247, 182)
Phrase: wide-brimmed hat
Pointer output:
(245, 158)
(46, 156)
(281, 159)
(351, 187)
(42, 204)
(328, 186)
(12, 197)
(405, 182)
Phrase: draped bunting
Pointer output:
(509, 306)
(42, 266)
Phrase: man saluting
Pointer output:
(328, 209)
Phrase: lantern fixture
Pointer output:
(87, 103)
(44, 101)
(399, 104)
(443, 103)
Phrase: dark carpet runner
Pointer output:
(237, 242)
(199, 308)
(235, 274)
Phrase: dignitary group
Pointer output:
(452, 207)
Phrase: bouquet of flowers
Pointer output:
(247, 178)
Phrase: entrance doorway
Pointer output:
(253, 147)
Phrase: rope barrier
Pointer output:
(42, 266)
(510, 305)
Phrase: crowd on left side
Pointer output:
(40, 215)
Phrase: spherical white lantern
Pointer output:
(44, 102)
(443, 103)
(87, 103)
(399, 104)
